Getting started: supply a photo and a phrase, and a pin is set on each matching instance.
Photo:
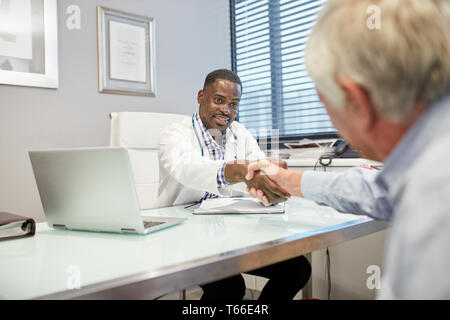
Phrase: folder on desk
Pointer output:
(236, 205)
(15, 226)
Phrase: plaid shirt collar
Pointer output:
(216, 152)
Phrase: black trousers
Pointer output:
(286, 279)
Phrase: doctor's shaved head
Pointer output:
(223, 74)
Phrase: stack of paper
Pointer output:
(236, 205)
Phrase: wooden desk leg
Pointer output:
(307, 291)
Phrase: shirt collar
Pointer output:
(206, 135)
(429, 125)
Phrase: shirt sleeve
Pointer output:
(352, 191)
(221, 182)
(223, 186)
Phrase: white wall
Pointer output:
(192, 38)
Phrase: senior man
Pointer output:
(387, 91)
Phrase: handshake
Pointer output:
(268, 180)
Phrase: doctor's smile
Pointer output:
(218, 104)
(221, 120)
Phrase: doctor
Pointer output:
(206, 156)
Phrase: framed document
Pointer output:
(29, 43)
(126, 53)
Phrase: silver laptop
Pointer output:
(91, 189)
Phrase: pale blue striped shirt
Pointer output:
(413, 192)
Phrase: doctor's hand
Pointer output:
(271, 190)
(236, 171)
(288, 180)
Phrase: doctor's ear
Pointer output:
(200, 97)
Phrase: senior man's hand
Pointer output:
(236, 172)
(272, 191)
(288, 180)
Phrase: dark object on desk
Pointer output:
(343, 150)
(13, 226)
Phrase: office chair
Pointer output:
(138, 132)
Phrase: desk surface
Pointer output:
(202, 249)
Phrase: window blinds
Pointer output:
(269, 39)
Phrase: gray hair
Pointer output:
(406, 59)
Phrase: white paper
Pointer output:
(236, 205)
(127, 52)
(15, 29)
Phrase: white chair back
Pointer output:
(139, 133)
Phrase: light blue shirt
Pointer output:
(413, 192)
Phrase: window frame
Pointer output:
(284, 138)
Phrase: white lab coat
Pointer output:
(185, 176)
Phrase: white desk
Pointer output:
(202, 249)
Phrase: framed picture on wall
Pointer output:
(126, 53)
(29, 43)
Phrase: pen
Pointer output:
(191, 205)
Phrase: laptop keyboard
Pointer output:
(148, 224)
